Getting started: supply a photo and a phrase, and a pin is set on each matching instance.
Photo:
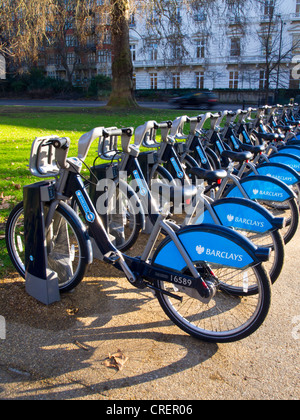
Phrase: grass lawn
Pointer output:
(19, 126)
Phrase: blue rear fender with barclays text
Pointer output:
(279, 171)
(210, 244)
(286, 158)
(260, 187)
(290, 149)
(243, 214)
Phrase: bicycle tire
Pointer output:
(188, 162)
(78, 241)
(134, 218)
(205, 321)
(273, 240)
(213, 159)
(163, 175)
(292, 222)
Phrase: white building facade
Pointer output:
(243, 46)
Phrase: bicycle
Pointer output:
(273, 194)
(240, 214)
(197, 273)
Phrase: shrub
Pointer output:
(100, 86)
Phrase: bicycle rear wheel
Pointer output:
(290, 211)
(231, 315)
(68, 250)
(274, 241)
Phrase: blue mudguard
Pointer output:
(290, 149)
(287, 159)
(279, 171)
(240, 213)
(260, 187)
(211, 244)
(295, 140)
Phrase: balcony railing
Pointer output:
(188, 62)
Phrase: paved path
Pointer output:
(88, 104)
(57, 352)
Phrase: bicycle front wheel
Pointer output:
(68, 252)
(229, 316)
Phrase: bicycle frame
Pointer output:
(134, 268)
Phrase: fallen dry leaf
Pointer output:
(116, 360)
(4, 201)
(72, 311)
(4, 206)
(81, 345)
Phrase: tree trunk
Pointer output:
(122, 69)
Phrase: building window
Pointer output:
(70, 41)
(199, 16)
(266, 45)
(262, 79)
(200, 48)
(106, 38)
(52, 74)
(296, 42)
(51, 60)
(199, 80)
(298, 7)
(178, 14)
(233, 80)
(153, 49)
(133, 52)
(176, 80)
(132, 20)
(92, 58)
(269, 6)
(70, 58)
(104, 56)
(153, 80)
(235, 47)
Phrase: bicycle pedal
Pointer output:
(111, 257)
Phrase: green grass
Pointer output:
(19, 126)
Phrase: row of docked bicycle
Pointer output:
(225, 199)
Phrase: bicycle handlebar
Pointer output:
(146, 134)
(59, 143)
(165, 124)
(109, 132)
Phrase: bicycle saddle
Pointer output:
(253, 149)
(293, 123)
(269, 136)
(212, 176)
(284, 127)
(237, 156)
